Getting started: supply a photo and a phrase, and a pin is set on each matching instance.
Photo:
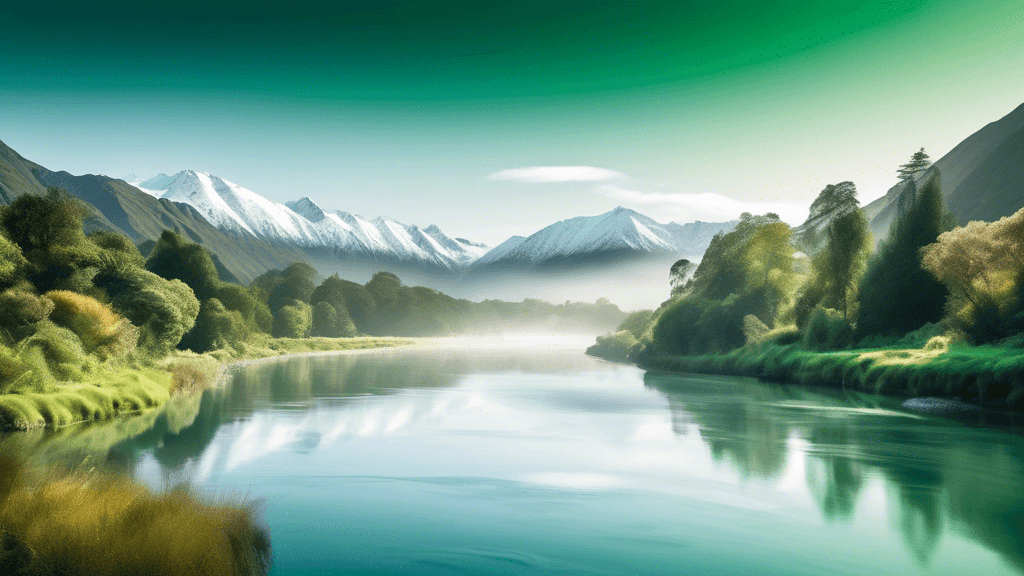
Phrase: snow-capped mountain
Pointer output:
(621, 232)
(303, 223)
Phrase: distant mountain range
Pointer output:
(306, 225)
(249, 234)
(982, 178)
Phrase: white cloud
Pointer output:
(706, 206)
(539, 174)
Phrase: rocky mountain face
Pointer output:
(982, 178)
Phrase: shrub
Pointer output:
(54, 351)
(99, 328)
(293, 320)
(614, 346)
(19, 310)
(637, 322)
(175, 258)
(164, 310)
(216, 327)
(753, 329)
(827, 330)
(12, 262)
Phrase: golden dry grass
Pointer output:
(100, 524)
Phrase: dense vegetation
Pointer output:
(89, 327)
(934, 309)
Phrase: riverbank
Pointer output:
(984, 374)
(133, 388)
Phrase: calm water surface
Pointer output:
(494, 459)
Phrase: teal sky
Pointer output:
(693, 110)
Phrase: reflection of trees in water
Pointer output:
(834, 476)
(181, 431)
(733, 427)
(941, 475)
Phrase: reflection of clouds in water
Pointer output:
(575, 480)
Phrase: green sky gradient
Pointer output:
(405, 109)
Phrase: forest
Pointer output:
(933, 309)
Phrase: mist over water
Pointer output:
(517, 454)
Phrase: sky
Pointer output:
(497, 118)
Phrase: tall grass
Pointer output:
(985, 373)
(97, 524)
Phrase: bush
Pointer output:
(637, 322)
(55, 352)
(12, 262)
(293, 320)
(614, 346)
(100, 329)
(216, 328)
(827, 330)
(164, 310)
(19, 310)
(753, 329)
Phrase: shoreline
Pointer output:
(983, 376)
(136, 390)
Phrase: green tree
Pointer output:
(897, 295)
(837, 267)
(174, 257)
(296, 282)
(216, 328)
(293, 320)
(332, 292)
(678, 272)
(918, 162)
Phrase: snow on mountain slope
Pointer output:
(231, 207)
(621, 230)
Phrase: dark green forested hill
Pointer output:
(120, 207)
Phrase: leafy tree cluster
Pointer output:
(70, 301)
(926, 277)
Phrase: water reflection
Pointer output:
(547, 433)
(942, 475)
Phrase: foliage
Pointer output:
(101, 330)
(12, 262)
(678, 272)
(216, 327)
(295, 282)
(104, 524)
(918, 162)
(827, 330)
(637, 322)
(175, 258)
(753, 329)
(54, 353)
(20, 310)
(164, 310)
(836, 269)
(748, 271)
(48, 232)
(335, 321)
(982, 266)
(293, 320)
(897, 294)
(614, 346)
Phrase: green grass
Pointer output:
(100, 397)
(120, 389)
(90, 523)
(988, 374)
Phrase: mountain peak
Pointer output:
(307, 208)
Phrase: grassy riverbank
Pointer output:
(987, 374)
(128, 388)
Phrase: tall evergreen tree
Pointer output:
(918, 162)
(897, 295)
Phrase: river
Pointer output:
(524, 456)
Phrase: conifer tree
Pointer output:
(918, 162)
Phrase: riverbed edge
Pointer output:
(137, 389)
